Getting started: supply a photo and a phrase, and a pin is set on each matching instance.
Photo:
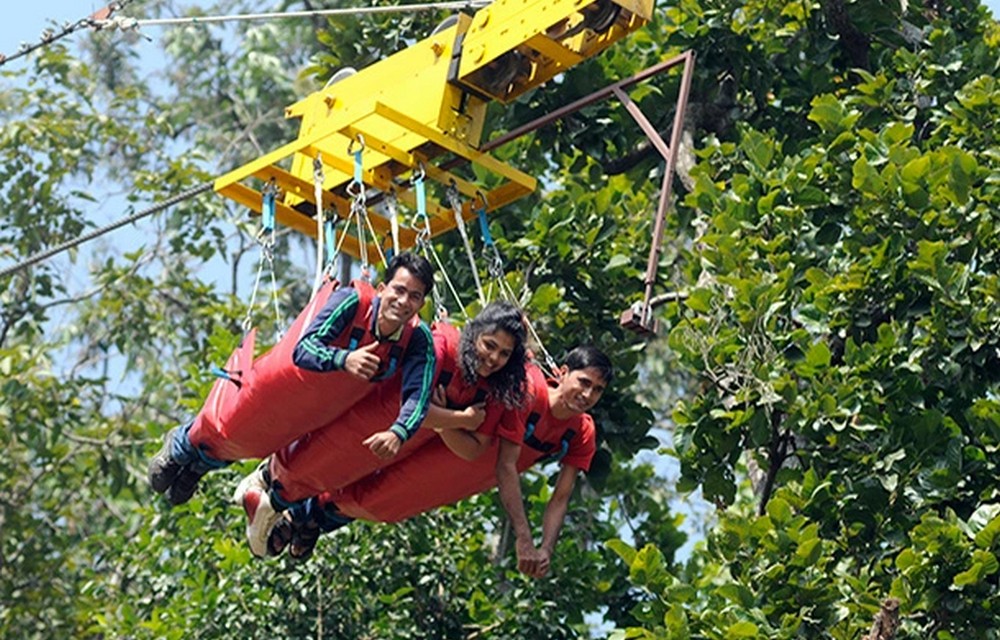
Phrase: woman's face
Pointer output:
(493, 350)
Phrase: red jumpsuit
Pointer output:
(273, 401)
(433, 476)
(334, 456)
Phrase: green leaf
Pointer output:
(779, 510)
(907, 558)
(737, 594)
(810, 196)
(866, 178)
(828, 234)
(828, 113)
(743, 629)
(617, 260)
(545, 297)
(648, 568)
(969, 577)
(624, 550)
(700, 300)
(818, 355)
(916, 170)
(758, 148)
(810, 551)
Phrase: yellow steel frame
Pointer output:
(419, 106)
(549, 37)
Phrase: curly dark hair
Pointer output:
(507, 386)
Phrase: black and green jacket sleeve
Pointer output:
(313, 351)
(418, 383)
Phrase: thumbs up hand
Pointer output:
(362, 362)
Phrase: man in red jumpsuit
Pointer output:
(359, 337)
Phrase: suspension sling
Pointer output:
(276, 401)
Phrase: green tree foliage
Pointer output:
(93, 374)
(843, 317)
(834, 241)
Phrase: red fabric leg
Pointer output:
(334, 456)
(433, 476)
(277, 403)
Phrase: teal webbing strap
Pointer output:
(267, 211)
(357, 166)
(331, 245)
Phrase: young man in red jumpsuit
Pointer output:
(360, 336)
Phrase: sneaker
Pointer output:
(253, 494)
(304, 536)
(259, 478)
(184, 485)
(163, 469)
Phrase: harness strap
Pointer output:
(529, 429)
(445, 377)
(546, 447)
(320, 224)
(360, 322)
(456, 206)
(395, 354)
(357, 333)
(219, 372)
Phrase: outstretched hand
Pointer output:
(363, 363)
(384, 444)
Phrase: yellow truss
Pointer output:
(424, 108)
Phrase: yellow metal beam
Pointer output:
(458, 148)
(513, 46)
(291, 183)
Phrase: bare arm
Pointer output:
(442, 418)
(445, 419)
(529, 559)
(384, 444)
(555, 511)
(467, 445)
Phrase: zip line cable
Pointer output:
(103, 20)
(69, 244)
(48, 36)
(132, 23)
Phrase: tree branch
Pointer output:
(853, 43)
(776, 455)
(886, 622)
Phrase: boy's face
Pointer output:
(402, 298)
(579, 390)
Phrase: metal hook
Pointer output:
(419, 173)
(482, 197)
(361, 142)
(454, 196)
